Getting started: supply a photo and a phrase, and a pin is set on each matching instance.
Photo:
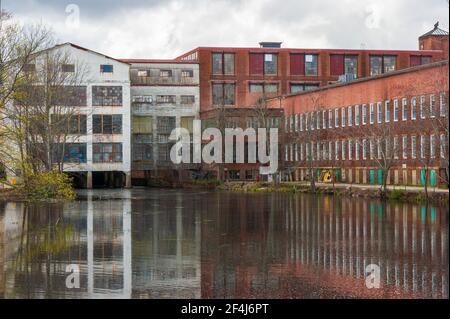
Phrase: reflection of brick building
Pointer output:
(393, 125)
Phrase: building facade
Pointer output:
(164, 96)
(392, 126)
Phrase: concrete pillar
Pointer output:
(127, 179)
(89, 180)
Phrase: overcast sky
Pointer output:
(168, 28)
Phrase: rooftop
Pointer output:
(436, 31)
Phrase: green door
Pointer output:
(372, 176)
(318, 175)
(380, 177)
(338, 175)
(422, 177)
(433, 178)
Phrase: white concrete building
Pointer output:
(165, 94)
(101, 150)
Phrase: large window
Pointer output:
(69, 96)
(77, 124)
(344, 64)
(187, 99)
(223, 63)
(300, 87)
(165, 124)
(107, 96)
(142, 124)
(382, 64)
(107, 124)
(165, 99)
(419, 60)
(73, 153)
(263, 63)
(143, 148)
(263, 88)
(107, 152)
(223, 94)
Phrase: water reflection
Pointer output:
(191, 244)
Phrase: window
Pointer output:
(379, 149)
(364, 149)
(107, 152)
(296, 122)
(413, 108)
(107, 96)
(442, 105)
(336, 118)
(432, 146)
(382, 64)
(341, 64)
(350, 150)
(422, 146)
(263, 88)
(311, 64)
(69, 96)
(300, 87)
(297, 64)
(165, 124)
(372, 114)
(301, 122)
(443, 145)
(432, 105)
(143, 73)
(357, 150)
(364, 114)
(419, 60)
(343, 148)
(372, 149)
(142, 99)
(379, 112)
(68, 68)
(224, 94)
(106, 68)
(77, 124)
(413, 147)
(270, 64)
(404, 146)
(187, 99)
(223, 63)
(336, 150)
(313, 122)
(422, 107)
(142, 151)
(306, 121)
(349, 116)
(404, 109)
(330, 150)
(107, 124)
(330, 118)
(302, 152)
(343, 117)
(165, 99)
(142, 124)
(324, 119)
(395, 110)
(357, 115)
(73, 153)
(318, 120)
(187, 74)
(165, 73)
(387, 111)
(395, 147)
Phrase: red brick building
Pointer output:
(235, 80)
(395, 123)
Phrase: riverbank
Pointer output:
(394, 193)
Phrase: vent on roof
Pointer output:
(270, 44)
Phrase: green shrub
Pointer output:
(49, 185)
(396, 194)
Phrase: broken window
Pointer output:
(143, 148)
(143, 73)
(77, 124)
(69, 96)
(165, 124)
(263, 88)
(107, 152)
(106, 96)
(142, 99)
(382, 64)
(300, 87)
(187, 73)
(223, 94)
(73, 153)
(107, 124)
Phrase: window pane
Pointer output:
(217, 94)
(229, 94)
(217, 67)
(256, 88)
(351, 66)
(389, 63)
(97, 124)
(229, 63)
(310, 64)
(376, 63)
(297, 88)
(117, 124)
(270, 64)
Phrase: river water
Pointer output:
(156, 243)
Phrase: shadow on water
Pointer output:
(150, 243)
